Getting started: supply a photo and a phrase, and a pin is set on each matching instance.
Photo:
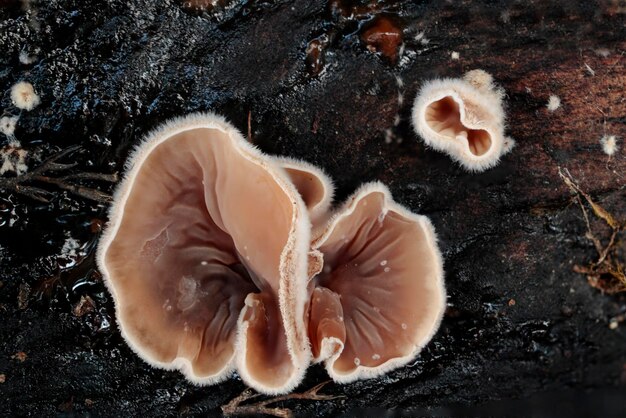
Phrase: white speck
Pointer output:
(69, 247)
(7, 125)
(382, 215)
(204, 263)
(589, 69)
(187, 293)
(387, 270)
(399, 81)
(554, 102)
(388, 136)
(603, 52)
(27, 59)
(403, 326)
(396, 120)
(609, 144)
(455, 55)
(400, 99)
(401, 50)
(383, 263)
(613, 324)
(419, 36)
(186, 327)
(357, 361)
(341, 318)
(376, 357)
(23, 96)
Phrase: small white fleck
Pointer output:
(399, 81)
(7, 125)
(387, 270)
(27, 59)
(357, 361)
(376, 357)
(589, 70)
(383, 263)
(396, 120)
(204, 263)
(388, 136)
(613, 324)
(403, 326)
(609, 144)
(24, 97)
(455, 55)
(554, 102)
(400, 99)
(341, 318)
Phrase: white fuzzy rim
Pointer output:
(293, 262)
(365, 372)
(459, 151)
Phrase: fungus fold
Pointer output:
(379, 297)
(464, 118)
(206, 256)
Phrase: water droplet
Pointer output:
(204, 263)
(357, 361)
(404, 326)
(383, 263)
(387, 270)
(376, 357)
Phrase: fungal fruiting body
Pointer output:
(24, 97)
(463, 118)
(609, 144)
(379, 297)
(314, 186)
(206, 257)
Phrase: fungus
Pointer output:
(463, 118)
(609, 144)
(206, 254)
(314, 186)
(380, 296)
(554, 102)
(7, 125)
(23, 96)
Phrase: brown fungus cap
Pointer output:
(206, 257)
(380, 296)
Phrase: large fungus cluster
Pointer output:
(221, 258)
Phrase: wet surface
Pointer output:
(318, 87)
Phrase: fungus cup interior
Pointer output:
(380, 296)
(200, 235)
(444, 117)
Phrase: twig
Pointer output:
(235, 407)
(51, 165)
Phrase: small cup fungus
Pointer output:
(379, 297)
(463, 118)
(206, 257)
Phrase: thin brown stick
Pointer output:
(235, 407)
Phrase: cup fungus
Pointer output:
(206, 256)
(463, 118)
(379, 297)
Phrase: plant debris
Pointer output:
(41, 174)
(235, 407)
(607, 273)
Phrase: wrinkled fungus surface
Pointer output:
(202, 257)
(380, 295)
